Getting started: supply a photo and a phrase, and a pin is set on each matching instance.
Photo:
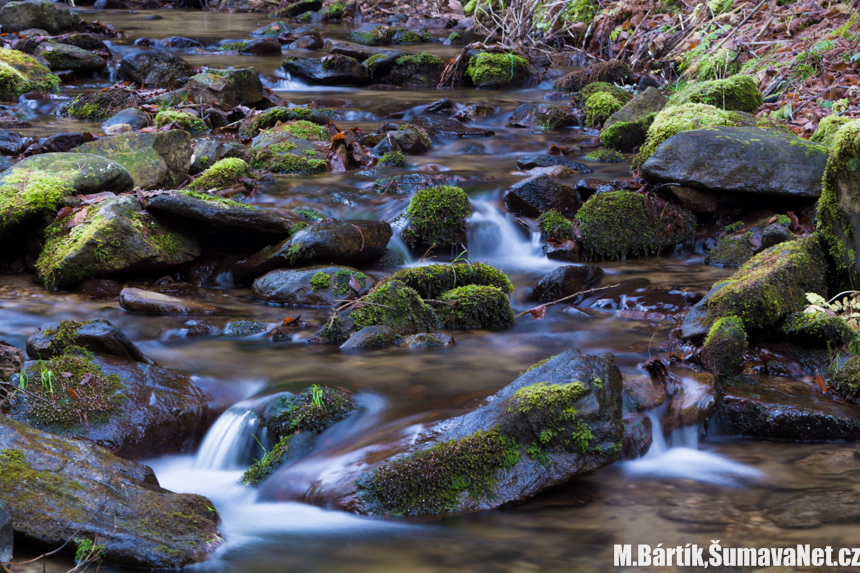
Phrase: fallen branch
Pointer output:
(19, 389)
(568, 297)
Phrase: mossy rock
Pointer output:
(281, 150)
(618, 223)
(817, 330)
(724, 348)
(223, 173)
(827, 128)
(604, 87)
(611, 71)
(396, 305)
(393, 159)
(599, 106)
(25, 194)
(437, 215)
(498, 70)
(846, 379)
(474, 306)
(432, 280)
(181, 120)
(318, 285)
(554, 226)
(605, 156)
(730, 251)
(270, 117)
(99, 106)
(735, 93)
(626, 136)
(21, 73)
(116, 236)
(372, 35)
(772, 285)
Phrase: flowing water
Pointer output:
(688, 488)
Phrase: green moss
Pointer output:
(432, 280)
(430, 482)
(422, 59)
(474, 306)
(437, 215)
(847, 379)
(407, 38)
(396, 305)
(340, 282)
(420, 131)
(270, 117)
(261, 469)
(311, 411)
(731, 252)
(223, 173)
(214, 198)
(772, 285)
(454, 37)
(334, 11)
(378, 36)
(63, 336)
(393, 159)
(735, 93)
(28, 192)
(619, 223)
(101, 105)
(305, 18)
(184, 120)
(233, 47)
(725, 346)
(676, 119)
(371, 62)
(305, 130)
(818, 330)
(309, 214)
(537, 364)
(554, 226)
(627, 135)
(827, 129)
(496, 70)
(320, 281)
(20, 73)
(278, 158)
(605, 87)
(605, 156)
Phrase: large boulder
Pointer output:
(22, 73)
(626, 129)
(740, 159)
(97, 335)
(319, 285)
(556, 421)
(39, 14)
(57, 489)
(537, 195)
(154, 68)
(331, 70)
(133, 409)
(154, 160)
(113, 236)
(565, 281)
(328, 241)
(83, 172)
(839, 206)
(220, 213)
(67, 57)
(229, 87)
(100, 105)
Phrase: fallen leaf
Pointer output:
(79, 218)
(538, 312)
(353, 284)
(821, 384)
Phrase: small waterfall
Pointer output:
(495, 238)
(231, 443)
(285, 82)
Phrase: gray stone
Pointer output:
(42, 14)
(537, 195)
(565, 281)
(297, 286)
(532, 160)
(229, 87)
(697, 324)
(97, 335)
(139, 301)
(426, 340)
(6, 536)
(371, 337)
(775, 234)
(358, 51)
(154, 68)
(210, 151)
(83, 172)
(67, 57)
(221, 215)
(338, 70)
(648, 102)
(637, 437)
(130, 116)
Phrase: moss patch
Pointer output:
(437, 215)
(554, 226)
(21, 73)
(847, 379)
(605, 156)
(735, 93)
(627, 135)
(396, 305)
(28, 192)
(184, 121)
(827, 129)
(270, 117)
(393, 159)
(99, 106)
(263, 468)
(474, 306)
(599, 106)
(496, 70)
(817, 330)
(725, 346)
(222, 174)
(432, 280)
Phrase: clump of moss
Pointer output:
(309, 214)
(270, 117)
(181, 119)
(393, 159)
(312, 411)
(223, 173)
(212, 198)
(675, 119)
(772, 285)
(371, 63)
(422, 59)
(493, 70)
(340, 282)
(334, 11)
(827, 129)
(735, 93)
(432, 280)
(101, 105)
(29, 192)
(817, 330)
(627, 135)
(278, 158)
(605, 156)
(377, 36)
(437, 215)
(72, 392)
(396, 305)
(605, 87)
(420, 131)
(620, 223)
(306, 130)
(261, 469)
(406, 38)
(233, 47)
(431, 481)
(846, 380)
(320, 281)
(725, 346)
(554, 226)
(474, 306)
(21, 73)
(731, 251)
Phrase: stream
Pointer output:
(693, 486)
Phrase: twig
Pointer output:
(630, 37)
(568, 297)
(19, 389)
(738, 27)
(818, 95)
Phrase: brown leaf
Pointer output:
(538, 312)
(94, 198)
(821, 384)
(79, 218)
(63, 213)
(353, 284)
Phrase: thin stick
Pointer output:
(738, 27)
(19, 389)
(576, 294)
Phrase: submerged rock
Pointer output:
(318, 285)
(97, 335)
(532, 160)
(334, 69)
(55, 490)
(372, 337)
(139, 301)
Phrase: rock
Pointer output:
(371, 337)
(616, 224)
(544, 116)
(648, 102)
(243, 328)
(181, 43)
(626, 129)
(426, 340)
(337, 70)
(83, 173)
(437, 216)
(97, 335)
(515, 445)
(59, 142)
(318, 285)
(537, 195)
(66, 57)
(130, 116)
(777, 408)
(774, 234)
(23, 73)
(772, 285)
(636, 440)
(139, 301)
(718, 159)
(155, 160)
(641, 394)
(839, 209)
(697, 323)
(498, 70)
(372, 34)
(398, 306)
(533, 160)
(42, 14)
(98, 106)
(817, 330)
(692, 404)
(100, 289)
(408, 142)
(564, 281)
(723, 351)
(329, 240)
(734, 93)
(6, 536)
(114, 236)
(846, 380)
(473, 112)
(358, 51)
(302, 6)
(12, 143)
(210, 151)
(264, 47)
(227, 88)
(280, 150)
(155, 68)
(220, 213)
(422, 70)
(695, 201)
(11, 361)
(430, 281)
(309, 42)
(611, 71)
(447, 128)
(813, 509)
(563, 250)
(472, 307)
(54, 490)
